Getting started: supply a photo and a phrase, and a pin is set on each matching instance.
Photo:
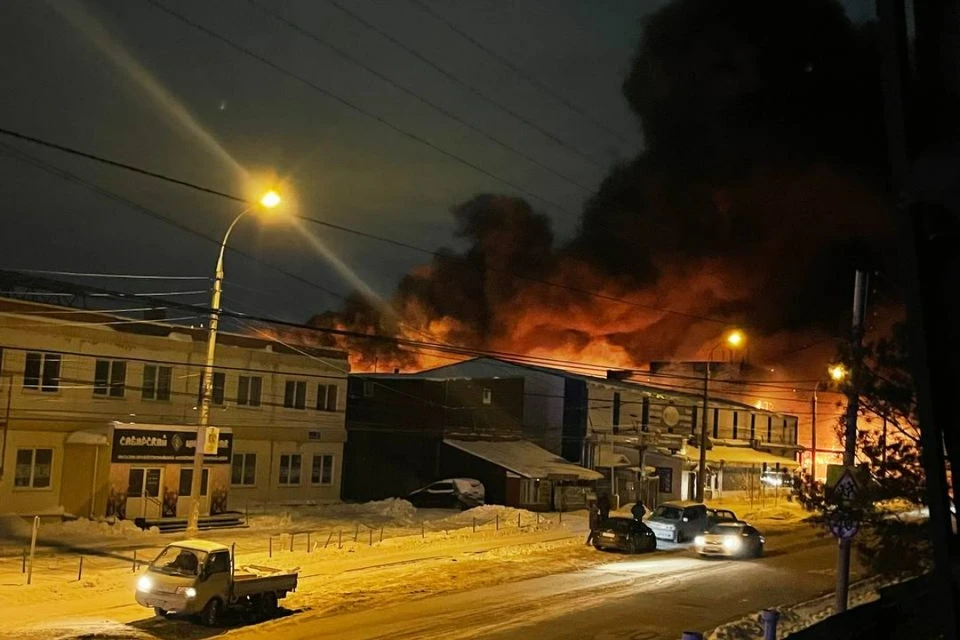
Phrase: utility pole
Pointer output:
(813, 433)
(702, 462)
(850, 432)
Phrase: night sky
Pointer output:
(125, 80)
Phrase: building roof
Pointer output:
(622, 384)
(524, 459)
(154, 328)
(200, 545)
(739, 456)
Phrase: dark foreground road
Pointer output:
(637, 599)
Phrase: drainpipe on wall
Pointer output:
(93, 484)
(6, 424)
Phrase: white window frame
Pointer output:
(333, 466)
(486, 396)
(243, 469)
(113, 364)
(42, 386)
(297, 385)
(289, 468)
(31, 486)
(157, 369)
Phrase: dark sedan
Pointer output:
(624, 534)
(730, 540)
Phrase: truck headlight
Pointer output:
(699, 541)
(144, 584)
(189, 592)
(731, 543)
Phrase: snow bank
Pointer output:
(392, 511)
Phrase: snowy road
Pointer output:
(653, 596)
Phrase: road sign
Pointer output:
(843, 525)
(842, 485)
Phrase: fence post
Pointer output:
(498, 522)
(423, 530)
(33, 546)
(538, 518)
(134, 565)
(80, 570)
(381, 533)
(474, 524)
(246, 513)
(308, 542)
(233, 559)
(270, 546)
(770, 617)
(329, 538)
(691, 635)
(518, 521)
(356, 532)
(340, 539)
(370, 544)
(23, 565)
(292, 535)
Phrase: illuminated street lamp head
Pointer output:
(270, 199)
(735, 338)
(837, 372)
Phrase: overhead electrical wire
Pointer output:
(279, 17)
(544, 88)
(463, 83)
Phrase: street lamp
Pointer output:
(734, 340)
(269, 200)
(837, 373)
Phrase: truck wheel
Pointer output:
(211, 613)
(268, 605)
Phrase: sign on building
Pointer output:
(173, 444)
(211, 441)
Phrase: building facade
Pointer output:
(405, 432)
(99, 417)
(643, 437)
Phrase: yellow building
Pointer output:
(98, 415)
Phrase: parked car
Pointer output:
(197, 577)
(716, 516)
(679, 521)
(452, 493)
(624, 534)
(730, 540)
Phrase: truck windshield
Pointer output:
(179, 561)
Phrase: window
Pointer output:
(326, 397)
(42, 372)
(645, 414)
(244, 470)
(34, 467)
(219, 562)
(295, 394)
(736, 419)
(693, 419)
(753, 426)
(156, 382)
(487, 396)
(368, 388)
(110, 378)
(665, 475)
(186, 481)
(289, 470)
(322, 470)
(249, 389)
(769, 428)
(716, 423)
(216, 394)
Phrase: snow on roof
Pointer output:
(739, 456)
(611, 459)
(523, 458)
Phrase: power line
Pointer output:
(364, 234)
(347, 56)
(119, 276)
(112, 195)
(517, 70)
(456, 79)
(348, 103)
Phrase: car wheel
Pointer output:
(677, 539)
(160, 613)
(211, 613)
(268, 605)
(652, 545)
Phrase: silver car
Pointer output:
(730, 540)
(678, 521)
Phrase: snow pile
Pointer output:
(800, 616)
(488, 514)
(93, 529)
(392, 511)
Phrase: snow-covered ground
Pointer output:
(798, 617)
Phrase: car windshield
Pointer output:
(620, 525)
(667, 512)
(727, 528)
(179, 561)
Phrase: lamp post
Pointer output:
(734, 340)
(837, 373)
(268, 201)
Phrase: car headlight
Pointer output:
(699, 541)
(731, 543)
(144, 584)
(189, 592)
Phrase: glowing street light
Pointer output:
(269, 200)
(735, 339)
(837, 372)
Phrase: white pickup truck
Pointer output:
(198, 577)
